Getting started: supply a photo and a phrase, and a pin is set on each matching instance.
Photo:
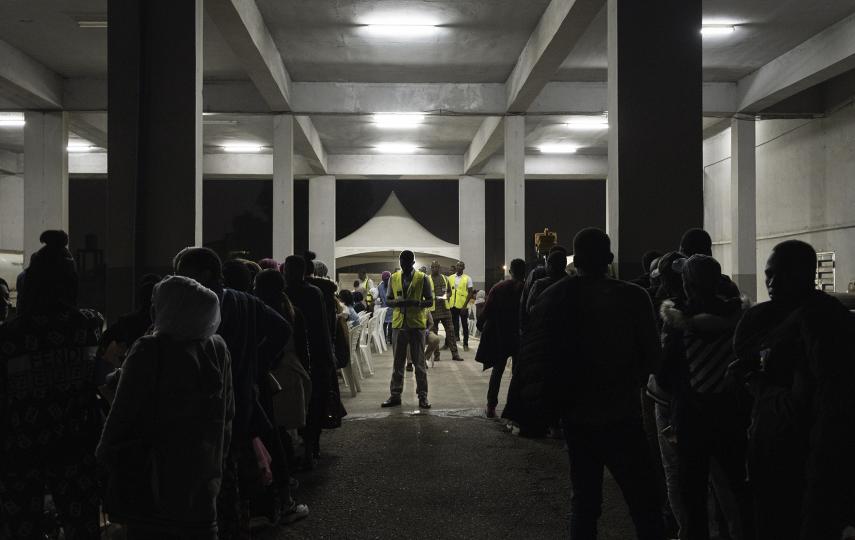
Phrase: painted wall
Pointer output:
(11, 213)
(805, 189)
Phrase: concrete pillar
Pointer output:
(154, 190)
(283, 186)
(472, 223)
(655, 181)
(743, 206)
(322, 220)
(514, 188)
(45, 177)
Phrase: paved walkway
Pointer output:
(447, 473)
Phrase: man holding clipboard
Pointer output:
(409, 296)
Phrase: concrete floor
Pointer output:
(445, 473)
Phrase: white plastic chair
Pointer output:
(350, 373)
(365, 348)
(376, 330)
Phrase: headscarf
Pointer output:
(51, 279)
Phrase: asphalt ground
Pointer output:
(446, 473)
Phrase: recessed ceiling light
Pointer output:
(12, 119)
(77, 147)
(557, 148)
(398, 120)
(717, 29)
(396, 148)
(242, 148)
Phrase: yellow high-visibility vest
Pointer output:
(411, 316)
(459, 293)
(433, 291)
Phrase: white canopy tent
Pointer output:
(392, 230)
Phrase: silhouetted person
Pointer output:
(556, 269)
(708, 415)
(310, 301)
(409, 296)
(237, 275)
(251, 331)
(49, 412)
(796, 356)
(699, 242)
(499, 325)
(647, 259)
(538, 272)
(600, 344)
(119, 337)
(170, 422)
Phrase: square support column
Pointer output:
(514, 188)
(655, 181)
(154, 191)
(283, 186)
(322, 220)
(743, 205)
(45, 177)
(472, 224)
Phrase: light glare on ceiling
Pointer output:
(717, 29)
(12, 119)
(396, 148)
(557, 148)
(398, 120)
(242, 148)
(391, 26)
(588, 124)
(78, 147)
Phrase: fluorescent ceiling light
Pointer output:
(557, 148)
(717, 29)
(396, 148)
(242, 148)
(12, 119)
(92, 23)
(398, 120)
(220, 122)
(588, 124)
(400, 26)
(80, 147)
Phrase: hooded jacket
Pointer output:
(170, 424)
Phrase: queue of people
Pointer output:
(678, 386)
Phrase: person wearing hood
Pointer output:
(795, 356)
(647, 259)
(47, 376)
(252, 331)
(699, 242)
(169, 428)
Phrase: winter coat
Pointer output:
(170, 424)
(499, 323)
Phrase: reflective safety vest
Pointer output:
(410, 316)
(433, 291)
(459, 291)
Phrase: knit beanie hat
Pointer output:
(51, 277)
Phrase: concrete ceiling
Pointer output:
(765, 30)
(478, 41)
(554, 130)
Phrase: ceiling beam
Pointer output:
(11, 162)
(84, 129)
(820, 58)
(486, 142)
(571, 166)
(27, 82)
(557, 32)
(243, 27)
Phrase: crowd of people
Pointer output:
(713, 416)
(188, 417)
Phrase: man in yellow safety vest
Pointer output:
(409, 296)
(460, 292)
(440, 312)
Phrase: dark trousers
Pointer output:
(67, 472)
(460, 318)
(496, 382)
(711, 429)
(622, 447)
(444, 318)
(778, 484)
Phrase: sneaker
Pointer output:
(409, 367)
(295, 513)
(491, 411)
(424, 403)
(457, 358)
